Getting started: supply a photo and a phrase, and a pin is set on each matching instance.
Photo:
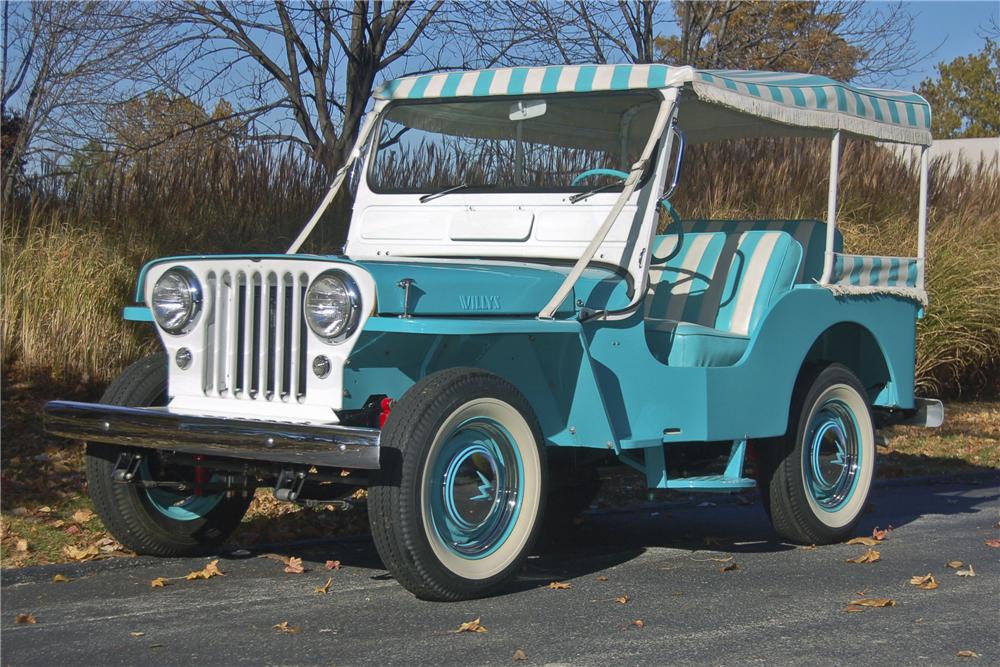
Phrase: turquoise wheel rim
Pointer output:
(833, 459)
(178, 506)
(475, 488)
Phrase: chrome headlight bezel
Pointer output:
(352, 303)
(191, 289)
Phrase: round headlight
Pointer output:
(176, 300)
(332, 306)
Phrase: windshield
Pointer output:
(559, 143)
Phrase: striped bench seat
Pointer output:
(710, 290)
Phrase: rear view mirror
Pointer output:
(526, 109)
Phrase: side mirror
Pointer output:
(527, 109)
(679, 137)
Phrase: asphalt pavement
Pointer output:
(779, 605)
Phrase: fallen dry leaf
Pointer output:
(332, 565)
(966, 573)
(639, 623)
(26, 618)
(926, 582)
(559, 586)
(967, 654)
(22, 545)
(622, 599)
(159, 582)
(881, 534)
(602, 578)
(874, 602)
(285, 628)
(211, 570)
(294, 566)
(809, 547)
(60, 579)
(954, 564)
(471, 626)
(732, 567)
(325, 588)
(870, 556)
(995, 543)
(519, 655)
(854, 609)
(137, 634)
(82, 516)
(865, 541)
(87, 553)
(360, 494)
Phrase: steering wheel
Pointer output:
(599, 172)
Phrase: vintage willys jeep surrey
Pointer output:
(504, 311)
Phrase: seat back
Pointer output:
(722, 281)
(811, 235)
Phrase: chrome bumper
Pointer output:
(158, 428)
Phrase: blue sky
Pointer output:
(954, 28)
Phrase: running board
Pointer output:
(653, 465)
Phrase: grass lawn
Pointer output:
(45, 516)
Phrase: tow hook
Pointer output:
(385, 407)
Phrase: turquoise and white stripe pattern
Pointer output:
(531, 81)
(791, 98)
(870, 271)
(864, 274)
(817, 101)
(761, 265)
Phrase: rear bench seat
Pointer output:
(712, 281)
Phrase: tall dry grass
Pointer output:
(70, 253)
(70, 257)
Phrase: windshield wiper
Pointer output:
(583, 195)
(454, 188)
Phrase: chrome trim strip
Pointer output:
(158, 428)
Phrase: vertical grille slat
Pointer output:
(220, 334)
(232, 333)
(293, 356)
(256, 340)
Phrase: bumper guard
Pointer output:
(158, 428)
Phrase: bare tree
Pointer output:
(62, 64)
(316, 62)
(568, 32)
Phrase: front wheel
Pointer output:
(458, 500)
(816, 478)
(158, 521)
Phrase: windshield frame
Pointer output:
(654, 95)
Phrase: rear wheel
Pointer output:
(456, 504)
(155, 521)
(815, 479)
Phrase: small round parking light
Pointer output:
(183, 358)
(321, 366)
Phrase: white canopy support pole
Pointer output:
(659, 125)
(366, 127)
(922, 217)
(831, 209)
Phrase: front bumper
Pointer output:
(158, 428)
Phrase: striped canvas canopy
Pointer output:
(746, 103)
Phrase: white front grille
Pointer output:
(255, 338)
